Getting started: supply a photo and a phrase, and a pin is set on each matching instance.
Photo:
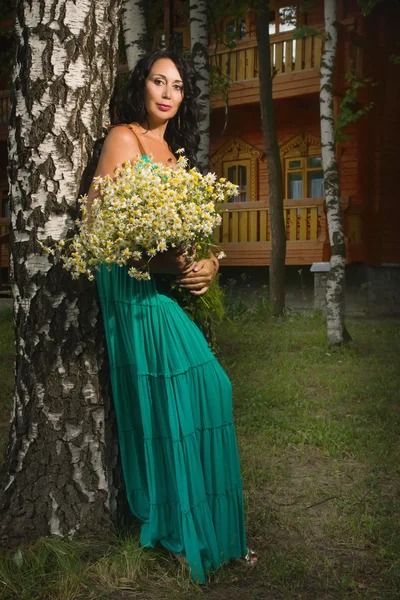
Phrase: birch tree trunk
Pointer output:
(199, 47)
(135, 31)
(275, 181)
(336, 277)
(57, 477)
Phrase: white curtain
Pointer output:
(317, 188)
(295, 189)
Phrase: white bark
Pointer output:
(57, 475)
(335, 284)
(134, 28)
(199, 47)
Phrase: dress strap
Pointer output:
(142, 150)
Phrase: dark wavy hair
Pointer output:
(132, 108)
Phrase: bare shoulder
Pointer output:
(122, 135)
(120, 145)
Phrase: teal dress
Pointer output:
(173, 403)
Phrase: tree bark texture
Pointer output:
(199, 47)
(275, 181)
(135, 30)
(336, 277)
(57, 476)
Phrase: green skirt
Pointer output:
(173, 403)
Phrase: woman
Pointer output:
(172, 398)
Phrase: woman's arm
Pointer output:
(121, 145)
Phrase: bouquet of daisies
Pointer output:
(143, 210)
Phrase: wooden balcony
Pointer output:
(295, 63)
(245, 233)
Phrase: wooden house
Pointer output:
(370, 199)
(367, 160)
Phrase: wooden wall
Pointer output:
(388, 172)
(293, 116)
(378, 134)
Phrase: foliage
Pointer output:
(207, 311)
(367, 6)
(305, 7)
(394, 59)
(219, 82)
(350, 111)
(303, 31)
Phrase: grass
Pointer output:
(319, 438)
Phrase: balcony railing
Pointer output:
(287, 56)
(305, 221)
(5, 107)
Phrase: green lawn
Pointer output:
(320, 445)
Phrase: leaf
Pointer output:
(304, 31)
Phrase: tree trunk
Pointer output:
(135, 31)
(57, 476)
(336, 277)
(275, 181)
(199, 46)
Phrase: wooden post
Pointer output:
(169, 24)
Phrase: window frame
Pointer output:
(237, 151)
(5, 201)
(248, 32)
(185, 30)
(304, 169)
(246, 162)
(274, 7)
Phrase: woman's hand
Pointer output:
(172, 261)
(199, 278)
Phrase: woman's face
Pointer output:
(163, 90)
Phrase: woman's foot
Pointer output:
(249, 560)
(182, 559)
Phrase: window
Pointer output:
(238, 173)
(304, 177)
(237, 161)
(234, 30)
(5, 208)
(180, 40)
(4, 202)
(282, 19)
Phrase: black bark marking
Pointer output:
(48, 71)
(42, 126)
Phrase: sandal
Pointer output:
(249, 560)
